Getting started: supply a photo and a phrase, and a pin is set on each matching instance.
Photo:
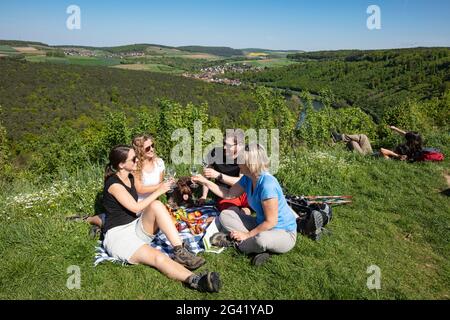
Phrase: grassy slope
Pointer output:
(399, 221)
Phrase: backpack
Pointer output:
(431, 154)
(312, 218)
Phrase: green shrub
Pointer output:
(273, 113)
(317, 126)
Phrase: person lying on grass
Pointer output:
(411, 150)
(359, 143)
(128, 237)
(274, 230)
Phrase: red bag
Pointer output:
(431, 156)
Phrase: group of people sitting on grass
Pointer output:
(134, 181)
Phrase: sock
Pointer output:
(193, 280)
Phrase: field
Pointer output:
(269, 63)
(84, 61)
(7, 49)
(29, 50)
(399, 222)
(150, 67)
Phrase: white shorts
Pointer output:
(122, 242)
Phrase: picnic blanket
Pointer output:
(193, 243)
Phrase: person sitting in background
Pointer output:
(128, 236)
(223, 167)
(356, 142)
(274, 229)
(411, 150)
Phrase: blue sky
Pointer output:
(282, 24)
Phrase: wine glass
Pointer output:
(170, 176)
(194, 172)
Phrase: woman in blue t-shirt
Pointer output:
(274, 229)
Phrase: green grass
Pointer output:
(85, 61)
(7, 49)
(399, 221)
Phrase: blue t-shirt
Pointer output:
(267, 187)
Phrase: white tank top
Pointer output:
(151, 178)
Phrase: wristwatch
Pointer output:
(220, 177)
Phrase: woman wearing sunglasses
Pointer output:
(128, 237)
(148, 177)
(149, 174)
(274, 229)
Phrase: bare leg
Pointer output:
(387, 154)
(152, 257)
(95, 220)
(157, 217)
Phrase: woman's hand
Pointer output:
(239, 236)
(199, 179)
(201, 201)
(165, 187)
(210, 173)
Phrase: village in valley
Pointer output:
(212, 65)
(215, 74)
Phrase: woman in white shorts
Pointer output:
(128, 237)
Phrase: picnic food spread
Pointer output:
(193, 220)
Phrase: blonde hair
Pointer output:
(256, 159)
(138, 146)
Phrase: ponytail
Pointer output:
(109, 171)
(117, 156)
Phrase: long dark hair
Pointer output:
(118, 155)
(412, 146)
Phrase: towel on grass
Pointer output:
(193, 243)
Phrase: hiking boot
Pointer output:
(336, 136)
(260, 259)
(95, 232)
(221, 240)
(205, 282)
(315, 224)
(187, 259)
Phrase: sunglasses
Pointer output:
(134, 159)
(152, 146)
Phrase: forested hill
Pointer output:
(36, 96)
(371, 80)
(219, 51)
